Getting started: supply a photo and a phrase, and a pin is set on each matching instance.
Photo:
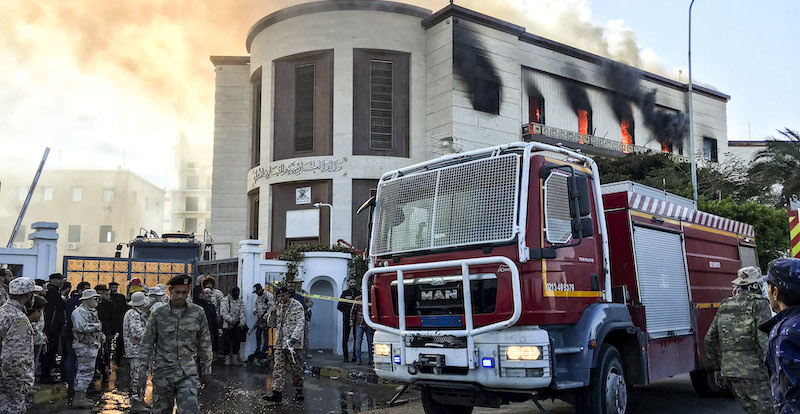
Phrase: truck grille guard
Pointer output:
(470, 330)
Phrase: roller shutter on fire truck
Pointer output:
(662, 282)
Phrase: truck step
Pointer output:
(564, 385)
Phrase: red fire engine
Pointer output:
(509, 273)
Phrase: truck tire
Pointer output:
(705, 386)
(607, 392)
(432, 406)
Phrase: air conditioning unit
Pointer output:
(73, 246)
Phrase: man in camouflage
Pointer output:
(16, 347)
(288, 319)
(133, 325)
(87, 340)
(735, 346)
(176, 340)
(296, 292)
(5, 278)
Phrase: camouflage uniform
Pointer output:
(3, 293)
(216, 298)
(175, 340)
(289, 321)
(737, 348)
(88, 338)
(16, 357)
(132, 331)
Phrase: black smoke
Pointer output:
(625, 83)
(578, 98)
(471, 61)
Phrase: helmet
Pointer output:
(785, 274)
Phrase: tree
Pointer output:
(778, 165)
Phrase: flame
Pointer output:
(534, 110)
(664, 147)
(583, 121)
(627, 138)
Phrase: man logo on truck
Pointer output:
(443, 294)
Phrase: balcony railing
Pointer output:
(531, 129)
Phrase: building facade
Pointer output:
(95, 210)
(746, 150)
(335, 93)
(188, 205)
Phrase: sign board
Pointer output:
(302, 223)
(302, 195)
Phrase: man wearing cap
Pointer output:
(132, 331)
(176, 340)
(135, 285)
(288, 319)
(295, 289)
(53, 325)
(264, 303)
(88, 338)
(156, 295)
(16, 346)
(232, 313)
(5, 278)
(106, 311)
(736, 348)
(68, 362)
(783, 354)
(344, 307)
(121, 305)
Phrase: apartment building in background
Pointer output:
(189, 203)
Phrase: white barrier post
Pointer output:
(250, 254)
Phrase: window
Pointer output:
(191, 203)
(74, 233)
(106, 234)
(48, 194)
(557, 219)
(486, 95)
(23, 194)
(255, 147)
(628, 140)
(208, 204)
(303, 106)
(20, 236)
(108, 196)
(710, 149)
(192, 182)
(77, 194)
(585, 121)
(189, 225)
(253, 202)
(380, 105)
(536, 110)
(381, 85)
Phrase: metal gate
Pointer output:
(104, 270)
(225, 271)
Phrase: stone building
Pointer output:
(335, 93)
(188, 205)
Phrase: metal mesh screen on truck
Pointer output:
(463, 204)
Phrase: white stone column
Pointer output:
(250, 253)
(44, 239)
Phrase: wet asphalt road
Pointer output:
(239, 390)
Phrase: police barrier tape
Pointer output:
(322, 297)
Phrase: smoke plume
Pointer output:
(477, 69)
(578, 98)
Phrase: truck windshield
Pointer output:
(468, 203)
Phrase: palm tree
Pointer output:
(779, 164)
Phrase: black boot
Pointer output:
(275, 397)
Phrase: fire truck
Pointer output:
(510, 274)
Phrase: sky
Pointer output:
(114, 84)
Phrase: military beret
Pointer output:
(785, 273)
(180, 280)
(56, 276)
(113, 284)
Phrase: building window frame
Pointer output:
(192, 204)
(106, 234)
(373, 100)
(76, 194)
(74, 233)
(304, 113)
(539, 104)
(47, 194)
(108, 195)
(192, 182)
(255, 146)
(253, 205)
(710, 149)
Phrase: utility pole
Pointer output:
(692, 150)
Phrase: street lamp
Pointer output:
(330, 220)
(691, 112)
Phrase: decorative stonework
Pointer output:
(293, 169)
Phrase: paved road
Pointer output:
(674, 395)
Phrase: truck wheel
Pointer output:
(432, 406)
(607, 392)
(705, 386)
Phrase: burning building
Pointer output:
(334, 93)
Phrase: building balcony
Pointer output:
(588, 144)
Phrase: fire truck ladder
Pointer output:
(470, 330)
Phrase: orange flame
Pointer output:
(664, 147)
(583, 121)
(627, 138)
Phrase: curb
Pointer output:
(49, 393)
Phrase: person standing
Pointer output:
(361, 329)
(35, 313)
(132, 332)
(5, 279)
(68, 362)
(156, 295)
(232, 313)
(783, 354)
(106, 311)
(735, 346)
(288, 319)
(16, 346)
(88, 339)
(264, 303)
(204, 301)
(121, 305)
(176, 340)
(295, 288)
(54, 321)
(345, 307)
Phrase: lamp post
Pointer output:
(692, 153)
(330, 221)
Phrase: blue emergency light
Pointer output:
(487, 362)
(396, 359)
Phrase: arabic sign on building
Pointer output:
(294, 169)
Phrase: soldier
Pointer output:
(735, 346)
(783, 281)
(265, 301)
(295, 290)
(132, 331)
(5, 278)
(156, 295)
(16, 346)
(53, 325)
(122, 308)
(288, 319)
(106, 311)
(344, 307)
(176, 340)
(232, 313)
(88, 338)
(204, 301)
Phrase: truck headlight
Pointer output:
(383, 350)
(523, 353)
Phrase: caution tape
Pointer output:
(322, 297)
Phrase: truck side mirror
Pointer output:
(579, 187)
